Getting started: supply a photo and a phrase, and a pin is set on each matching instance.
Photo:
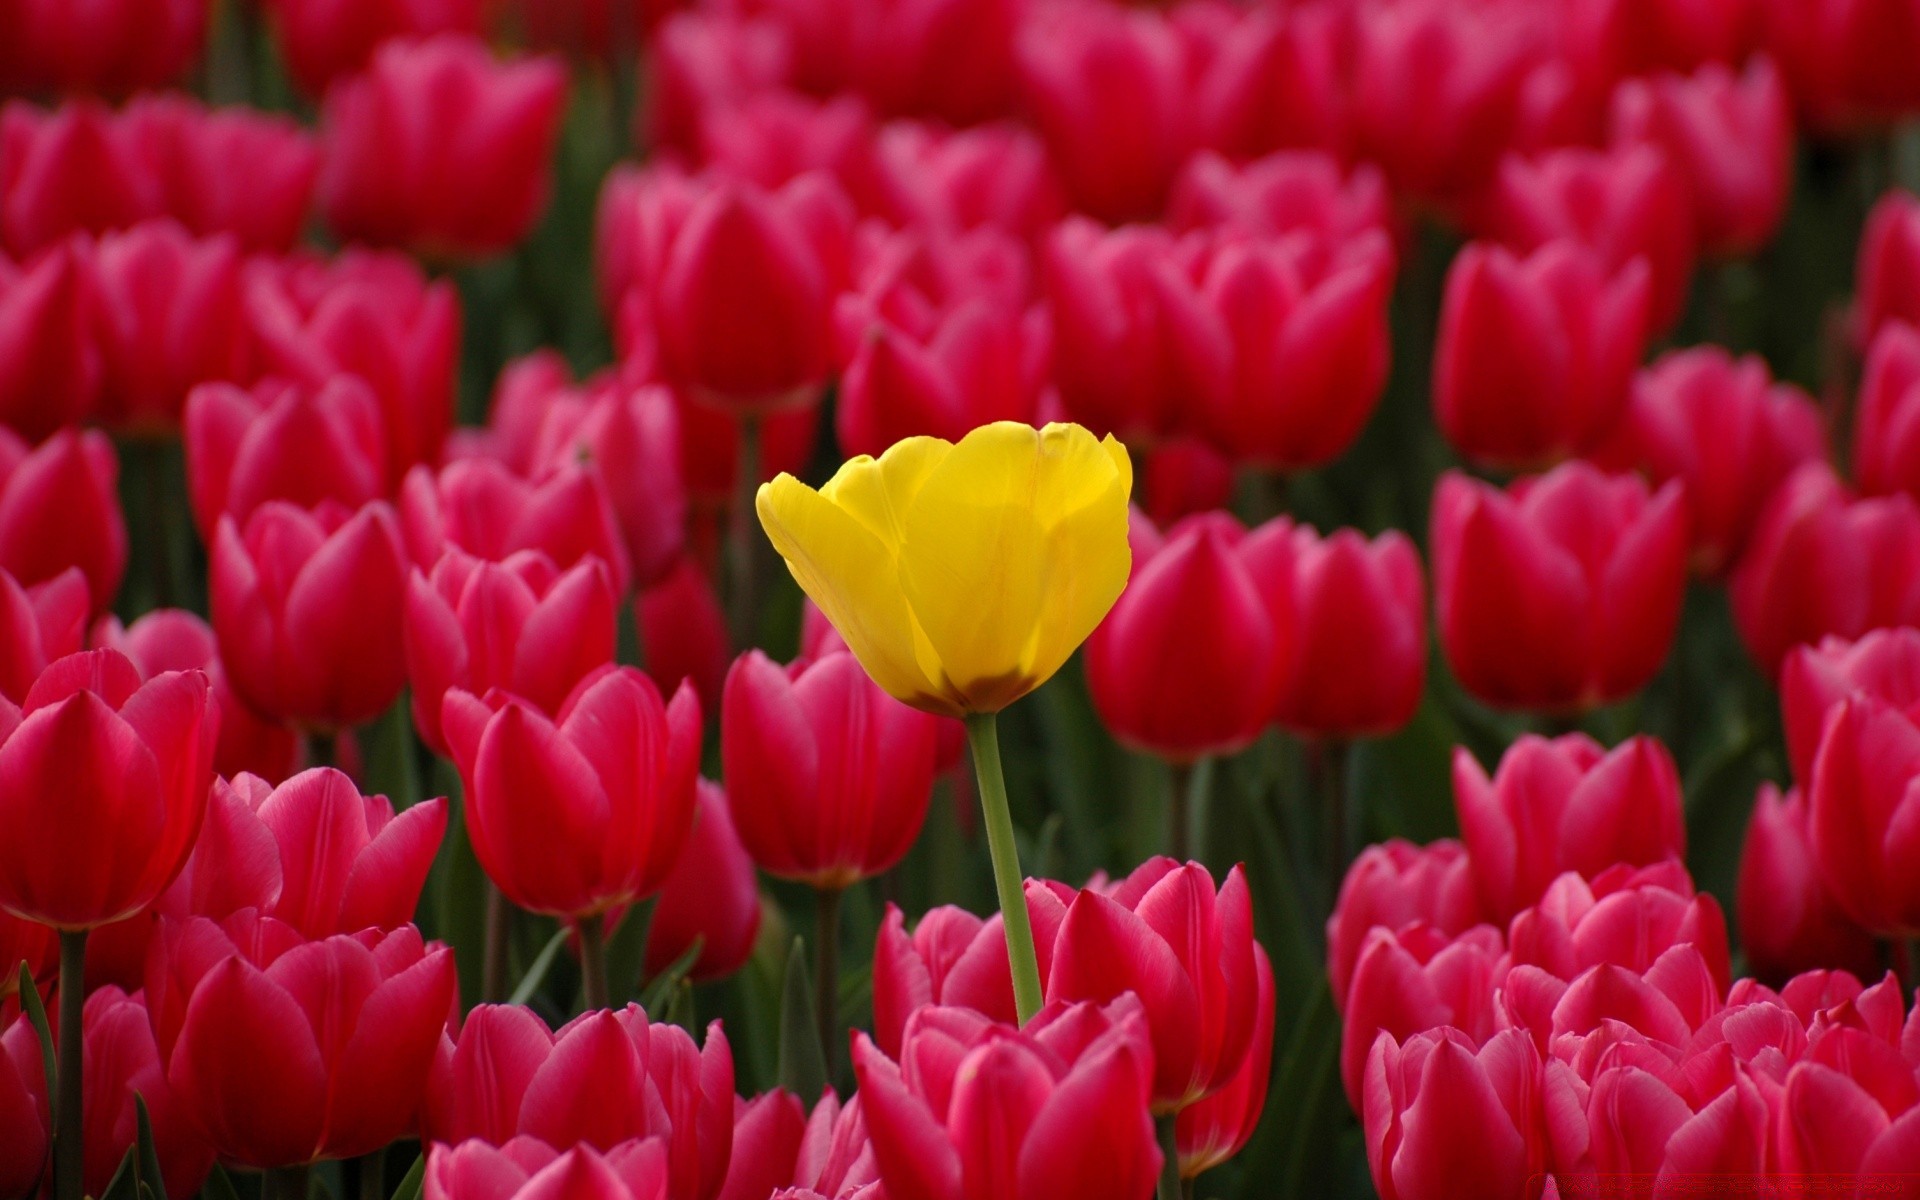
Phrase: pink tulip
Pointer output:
(60, 509)
(282, 441)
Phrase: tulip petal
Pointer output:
(247, 1066)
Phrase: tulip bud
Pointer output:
(1814, 680)
(320, 40)
(281, 441)
(528, 1168)
(1536, 354)
(440, 149)
(521, 625)
(705, 58)
(1624, 918)
(1821, 563)
(25, 1132)
(771, 138)
(952, 958)
(1394, 885)
(1412, 981)
(1886, 450)
(947, 60)
(113, 48)
(1857, 810)
(479, 506)
(828, 775)
(1789, 922)
(1298, 191)
(49, 361)
(234, 170)
(1213, 1130)
(1188, 662)
(1446, 1118)
(1729, 136)
(987, 176)
(38, 625)
(277, 1073)
(1277, 80)
(1888, 266)
(776, 1142)
(73, 169)
(711, 896)
(60, 509)
(1182, 477)
(1845, 60)
(1561, 592)
(585, 811)
(685, 633)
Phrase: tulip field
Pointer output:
(959, 599)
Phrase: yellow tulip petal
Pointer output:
(1087, 563)
(877, 491)
(849, 572)
(1077, 470)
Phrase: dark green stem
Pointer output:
(593, 962)
(983, 735)
(323, 748)
(743, 536)
(287, 1183)
(826, 971)
(373, 1175)
(493, 955)
(1328, 760)
(1170, 1158)
(68, 1147)
(1189, 790)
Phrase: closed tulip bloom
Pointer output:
(828, 775)
(49, 361)
(1564, 805)
(1845, 61)
(1623, 918)
(710, 450)
(1886, 435)
(320, 40)
(528, 1167)
(711, 895)
(1730, 136)
(1626, 203)
(308, 609)
(38, 625)
(1190, 659)
(578, 813)
(951, 958)
(1182, 477)
(288, 1051)
(104, 781)
(440, 149)
(71, 169)
(1278, 81)
(704, 58)
(1563, 591)
(1726, 431)
(1815, 679)
(60, 509)
(1857, 814)
(371, 315)
(1536, 354)
(772, 138)
(121, 1060)
(479, 506)
(1087, 71)
(1213, 1130)
(1066, 1099)
(1641, 37)
(1396, 885)
(282, 441)
(25, 1135)
(1789, 922)
(111, 48)
(1447, 1118)
(1359, 664)
(1293, 191)
(1823, 563)
(603, 1079)
(776, 1143)
(685, 633)
(521, 624)
(986, 176)
(1001, 553)
(1888, 265)
(1416, 980)
(233, 170)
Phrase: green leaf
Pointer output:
(627, 953)
(803, 1064)
(537, 972)
(150, 1177)
(37, 1013)
(662, 988)
(219, 1185)
(125, 1184)
(409, 1188)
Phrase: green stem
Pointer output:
(983, 735)
(1170, 1158)
(826, 971)
(323, 749)
(593, 962)
(493, 957)
(68, 1155)
(1328, 759)
(742, 538)
(1189, 790)
(287, 1183)
(373, 1175)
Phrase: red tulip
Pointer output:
(1278, 80)
(1565, 805)
(1623, 204)
(1445, 1118)
(1857, 814)
(986, 176)
(1413, 981)
(1789, 922)
(829, 777)
(521, 625)
(1182, 477)
(1888, 266)
(440, 149)
(38, 625)
(1189, 954)
(308, 607)
(288, 1051)
(26, 1132)
(771, 138)
(711, 896)
(103, 781)
(1822, 563)
(685, 633)
(589, 29)
(1213, 1130)
(60, 509)
(1846, 61)
(1815, 679)
(704, 59)
(374, 316)
(953, 958)
(1726, 431)
(585, 811)
(120, 1061)
(1886, 439)
(49, 362)
(1359, 664)
(1536, 354)
(528, 1168)
(1396, 885)
(977, 1110)
(1089, 71)
(234, 170)
(320, 40)
(282, 441)
(70, 170)
(1562, 592)
(1623, 918)
(1640, 37)
(603, 1079)
(113, 48)
(1299, 191)
(1190, 659)
(479, 506)
(173, 639)
(1731, 139)
(710, 449)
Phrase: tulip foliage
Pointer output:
(959, 599)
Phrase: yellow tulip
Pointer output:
(962, 576)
